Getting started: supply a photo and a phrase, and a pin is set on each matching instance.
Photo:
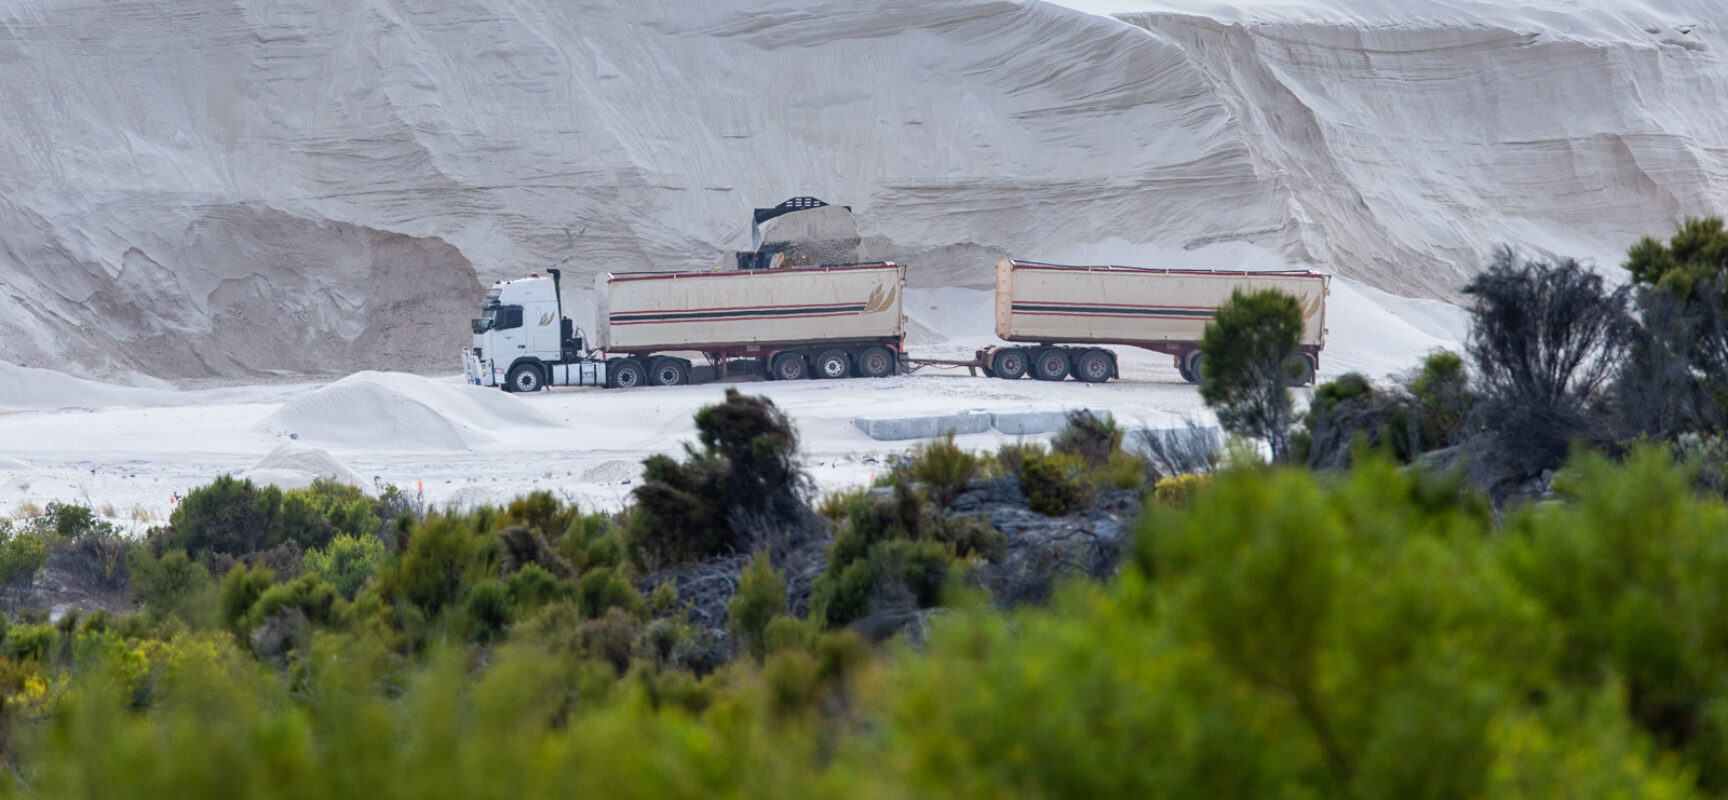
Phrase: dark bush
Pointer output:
(1090, 437)
(742, 490)
(679, 514)
(1351, 411)
(1189, 450)
(1544, 338)
(611, 638)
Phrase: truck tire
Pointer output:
(1182, 369)
(1009, 364)
(625, 374)
(669, 372)
(1193, 374)
(833, 364)
(1050, 365)
(1303, 374)
(876, 362)
(1094, 366)
(790, 367)
(524, 378)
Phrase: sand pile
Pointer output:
(394, 411)
(31, 389)
(295, 466)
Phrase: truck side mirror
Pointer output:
(479, 325)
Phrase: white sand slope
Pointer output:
(309, 193)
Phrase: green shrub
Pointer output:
(1442, 388)
(237, 518)
(532, 587)
(239, 592)
(1050, 489)
(68, 521)
(600, 590)
(943, 467)
(541, 512)
(1177, 491)
(346, 563)
(759, 599)
(175, 585)
(1251, 352)
(228, 516)
(22, 554)
(486, 611)
(30, 642)
(442, 553)
(1012, 457)
(1123, 471)
(838, 505)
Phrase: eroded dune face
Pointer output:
(194, 189)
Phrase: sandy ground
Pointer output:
(129, 451)
(582, 444)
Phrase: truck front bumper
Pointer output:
(480, 372)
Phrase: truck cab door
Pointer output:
(509, 340)
(541, 323)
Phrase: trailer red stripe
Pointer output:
(734, 273)
(761, 318)
(1111, 316)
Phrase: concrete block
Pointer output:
(1020, 423)
(889, 429)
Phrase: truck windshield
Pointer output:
(488, 312)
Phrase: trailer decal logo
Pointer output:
(879, 302)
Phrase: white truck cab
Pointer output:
(523, 341)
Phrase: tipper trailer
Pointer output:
(826, 322)
(1060, 315)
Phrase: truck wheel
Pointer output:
(833, 364)
(876, 362)
(1302, 373)
(1009, 364)
(1182, 369)
(790, 367)
(626, 374)
(669, 372)
(1193, 374)
(524, 378)
(1050, 365)
(1094, 367)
